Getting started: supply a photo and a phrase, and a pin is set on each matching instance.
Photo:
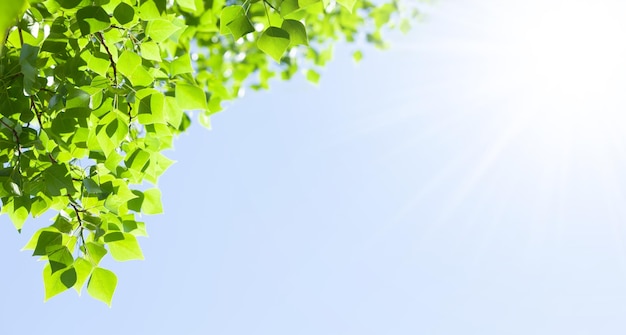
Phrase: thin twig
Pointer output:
(269, 4)
(130, 117)
(80, 222)
(113, 65)
(19, 31)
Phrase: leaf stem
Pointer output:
(267, 13)
(80, 223)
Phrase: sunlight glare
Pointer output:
(572, 60)
(569, 74)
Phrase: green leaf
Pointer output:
(137, 160)
(150, 51)
(91, 186)
(306, 3)
(28, 60)
(187, 5)
(63, 224)
(40, 204)
(11, 10)
(95, 252)
(190, 97)
(274, 42)
(173, 112)
(57, 179)
(59, 257)
(290, 6)
(83, 269)
(99, 63)
(124, 13)
(148, 202)
(180, 65)
(57, 282)
(235, 21)
(68, 4)
(102, 285)
(313, 76)
(126, 249)
(92, 19)
(151, 109)
(348, 4)
(68, 277)
(160, 30)
(296, 31)
(149, 11)
(151, 203)
(18, 208)
(45, 240)
(382, 14)
(32, 243)
(357, 56)
(228, 15)
(77, 98)
(129, 64)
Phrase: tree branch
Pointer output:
(113, 65)
(269, 4)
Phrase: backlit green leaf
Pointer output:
(296, 31)
(83, 269)
(150, 51)
(240, 25)
(18, 208)
(92, 19)
(160, 30)
(59, 257)
(99, 63)
(348, 4)
(102, 285)
(187, 5)
(152, 201)
(57, 282)
(95, 252)
(228, 15)
(190, 97)
(274, 42)
(312, 76)
(126, 249)
(180, 65)
(129, 64)
(45, 240)
(11, 10)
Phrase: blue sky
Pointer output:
(467, 181)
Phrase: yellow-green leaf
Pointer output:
(102, 284)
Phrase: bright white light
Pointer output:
(570, 70)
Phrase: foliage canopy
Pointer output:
(93, 92)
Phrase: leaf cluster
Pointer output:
(94, 91)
